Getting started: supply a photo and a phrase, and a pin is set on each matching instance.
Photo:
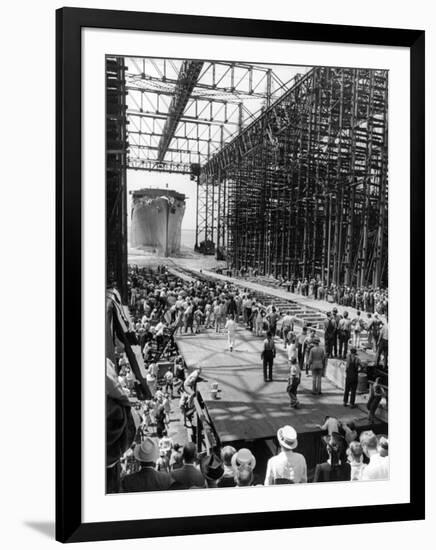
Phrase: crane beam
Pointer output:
(186, 81)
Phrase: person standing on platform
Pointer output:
(273, 318)
(329, 332)
(382, 347)
(217, 315)
(375, 396)
(317, 363)
(287, 327)
(300, 346)
(309, 342)
(335, 318)
(357, 329)
(231, 331)
(292, 349)
(293, 383)
(268, 354)
(344, 329)
(352, 369)
(368, 328)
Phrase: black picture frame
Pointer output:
(69, 23)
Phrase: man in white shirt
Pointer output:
(378, 467)
(287, 466)
(231, 332)
(287, 326)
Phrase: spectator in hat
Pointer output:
(212, 468)
(244, 457)
(188, 475)
(334, 469)
(288, 466)
(352, 368)
(148, 478)
(378, 467)
(317, 362)
(228, 479)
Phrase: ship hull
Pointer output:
(157, 222)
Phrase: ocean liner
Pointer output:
(156, 219)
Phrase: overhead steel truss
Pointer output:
(182, 111)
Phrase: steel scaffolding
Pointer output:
(302, 191)
(116, 187)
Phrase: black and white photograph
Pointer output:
(247, 287)
(217, 282)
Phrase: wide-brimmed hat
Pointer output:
(212, 467)
(148, 451)
(287, 437)
(243, 457)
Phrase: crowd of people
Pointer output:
(163, 305)
(340, 330)
(366, 298)
(152, 465)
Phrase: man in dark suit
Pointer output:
(351, 377)
(317, 362)
(147, 479)
(188, 475)
(329, 333)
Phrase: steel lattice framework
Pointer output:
(291, 172)
(305, 186)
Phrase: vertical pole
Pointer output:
(196, 214)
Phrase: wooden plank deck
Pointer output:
(248, 407)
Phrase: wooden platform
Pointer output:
(248, 407)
